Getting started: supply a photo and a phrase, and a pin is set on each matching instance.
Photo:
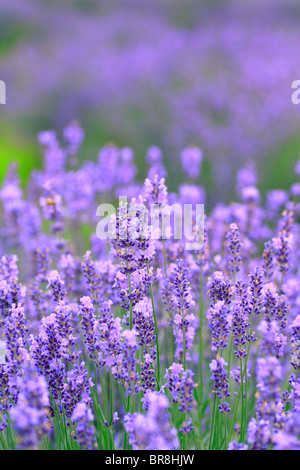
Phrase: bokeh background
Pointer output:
(215, 73)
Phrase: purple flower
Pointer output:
(57, 285)
(239, 326)
(283, 246)
(30, 415)
(156, 191)
(219, 325)
(295, 354)
(219, 288)
(183, 301)
(235, 446)
(259, 434)
(88, 322)
(234, 247)
(83, 417)
(152, 431)
(220, 382)
(51, 203)
(191, 159)
(74, 136)
(125, 363)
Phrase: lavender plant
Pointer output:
(135, 341)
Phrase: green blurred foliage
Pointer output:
(19, 144)
(19, 137)
(276, 170)
(15, 147)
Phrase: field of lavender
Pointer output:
(134, 341)
(122, 329)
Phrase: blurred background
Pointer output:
(171, 73)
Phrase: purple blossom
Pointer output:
(220, 382)
(83, 417)
(152, 431)
(219, 325)
(191, 159)
(30, 415)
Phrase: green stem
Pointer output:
(246, 372)
(225, 429)
(111, 395)
(242, 391)
(212, 422)
(235, 411)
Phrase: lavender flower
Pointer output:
(51, 204)
(234, 247)
(152, 431)
(219, 288)
(91, 334)
(219, 325)
(220, 382)
(30, 415)
(191, 159)
(259, 434)
(183, 321)
(295, 354)
(125, 368)
(57, 285)
(283, 245)
(239, 327)
(83, 417)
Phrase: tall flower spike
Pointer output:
(156, 191)
(74, 136)
(125, 368)
(30, 415)
(153, 430)
(234, 248)
(148, 381)
(220, 382)
(268, 259)
(283, 246)
(154, 159)
(183, 320)
(255, 289)
(51, 203)
(295, 340)
(92, 278)
(57, 285)
(259, 434)
(77, 388)
(143, 322)
(269, 405)
(133, 245)
(88, 323)
(219, 288)
(219, 325)
(83, 417)
(191, 159)
(239, 327)
(181, 386)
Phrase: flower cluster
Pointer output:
(152, 431)
(138, 342)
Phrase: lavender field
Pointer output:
(150, 221)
